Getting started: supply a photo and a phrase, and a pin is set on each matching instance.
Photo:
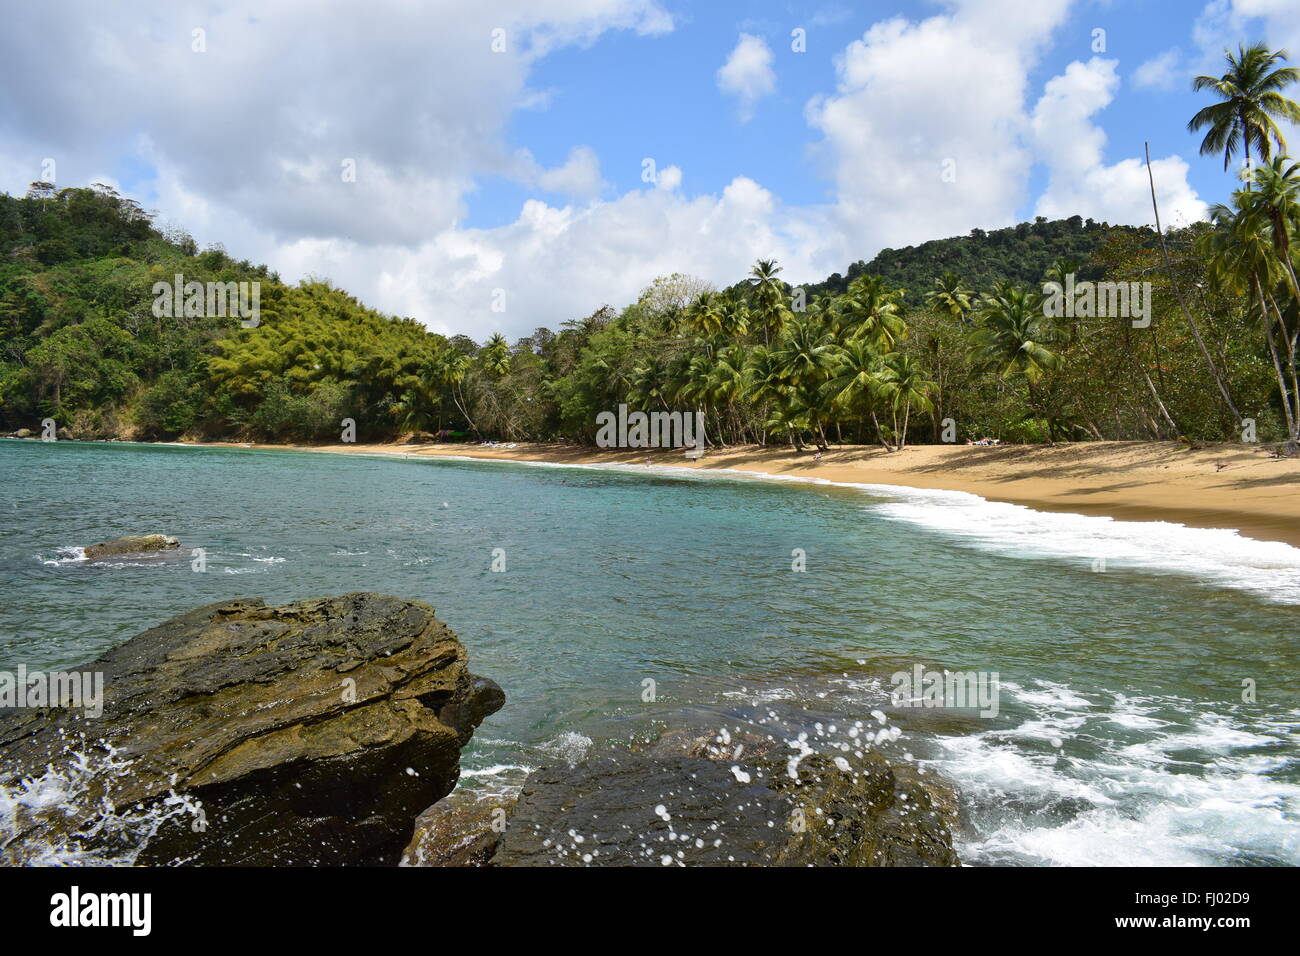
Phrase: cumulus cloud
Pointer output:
(579, 177)
(346, 128)
(924, 134)
(932, 129)
(1162, 72)
(747, 74)
(1072, 145)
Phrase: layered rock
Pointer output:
(308, 734)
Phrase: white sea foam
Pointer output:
(70, 792)
(569, 746)
(1195, 793)
(65, 555)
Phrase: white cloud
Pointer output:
(933, 112)
(747, 74)
(579, 177)
(247, 142)
(1080, 182)
(1162, 72)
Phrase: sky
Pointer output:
(500, 165)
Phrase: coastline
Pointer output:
(1209, 486)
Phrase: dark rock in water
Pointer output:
(131, 546)
(462, 829)
(685, 806)
(238, 733)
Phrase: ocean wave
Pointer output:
(1206, 790)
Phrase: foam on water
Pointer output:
(1201, 793)
(67, 802)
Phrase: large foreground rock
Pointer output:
(239, 733)
(132, 545)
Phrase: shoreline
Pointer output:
(1221, 486)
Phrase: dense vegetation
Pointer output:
(949, 339)
(1021, 253)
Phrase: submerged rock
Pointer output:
(131, 545)
(238, 733)
(641, 809)
(685, 801)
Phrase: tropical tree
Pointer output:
(904, 387)
(855, 382)
(873, 311)
(807, 359)
(769, 308)
(1250, 104)
(951, 296)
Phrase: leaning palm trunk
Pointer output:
(880, 432)
(459, 400)
(1178, 293)
(1290, 402)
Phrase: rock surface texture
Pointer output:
(309, 734)
(133, 545)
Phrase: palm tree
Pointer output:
(855, 380)
(733, 317)
(495, 355)
(904, 387)
(1278, 202)
(1243, 260)
(769, 298)
(951, 295)
(450, 369)
(807, 359)
(1252, 101)
(705, 315)
(873, 310)
(1013, 336)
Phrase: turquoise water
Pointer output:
(1122, 735)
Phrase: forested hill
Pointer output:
(88, 341)
(1020, 253)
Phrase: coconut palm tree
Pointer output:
(1277, 200)
(855, 382)
(950, 295)
(1014, 334)
(451, 369)
(495, 355)
(904, 387)
(807, 358)
(873, 311)
(705, 315)
(1243, 260)
(733, 318)
(1251, 103)
(769, 309)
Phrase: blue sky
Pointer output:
(520, 170)
(629, 96)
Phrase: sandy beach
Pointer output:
(1203, 486)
